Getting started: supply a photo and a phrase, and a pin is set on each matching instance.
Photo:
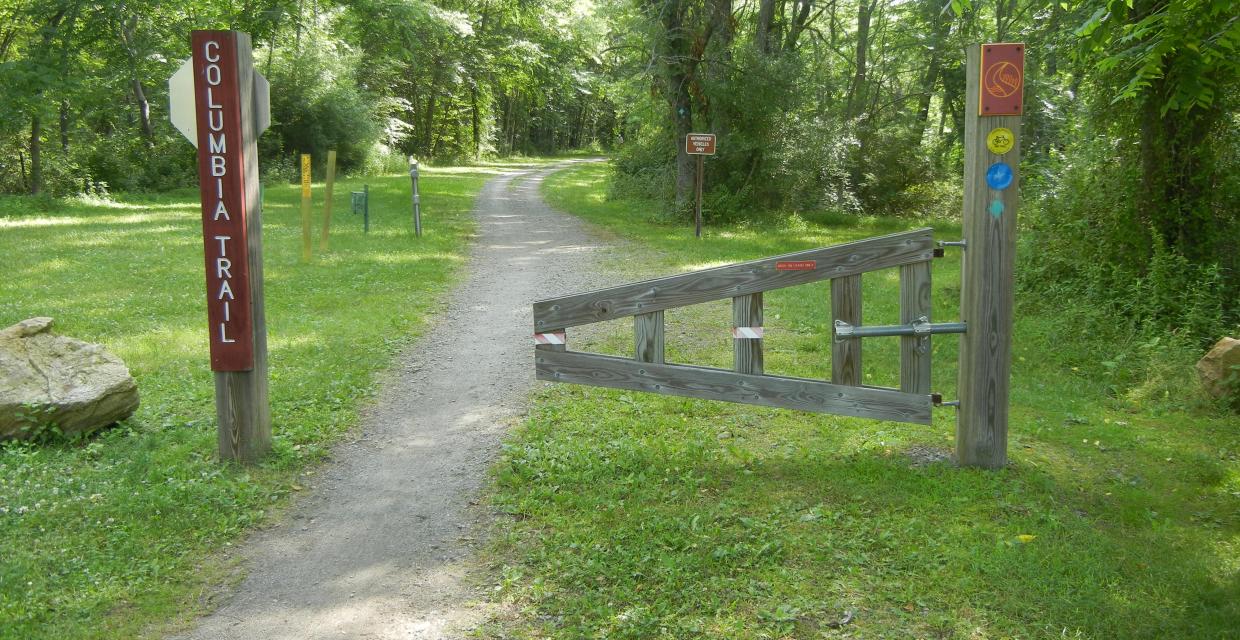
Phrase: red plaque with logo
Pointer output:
(221, 173)
(1002, 80)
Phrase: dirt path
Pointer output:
(380, 547)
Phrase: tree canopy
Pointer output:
(1131, 186)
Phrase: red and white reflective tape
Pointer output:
(747, 333)
(555, 337)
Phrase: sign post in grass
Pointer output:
(327, 199)
(417, 198)
(305, 207)
(994, 103)
(699, 144)
(222, 105)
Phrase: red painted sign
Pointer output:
(700, 144)
(796, 265)
(221, 173)
(1002, 80)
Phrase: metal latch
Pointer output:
(919, 327)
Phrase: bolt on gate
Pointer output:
(745, 283)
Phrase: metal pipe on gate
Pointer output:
(417, 198)
(919, 327)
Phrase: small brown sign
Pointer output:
(796, 265)
(1002, 79)
(700, 144)
(221, 172)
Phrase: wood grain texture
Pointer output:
(986, 288)
(747, 353)
(852, 258)
(846, 354)
(915, 303)
(648, 337)
(242, 408)
(327, 200)
(729, 386)
(306, 251)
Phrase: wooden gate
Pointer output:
(744, 283)
(991, 160)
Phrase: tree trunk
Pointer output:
(429, 141)
(857, 90)
(64, 126)
(473, 106)
(36, 160)
(144, 111)
(766, 19)
(938, 41)
(716, 68)
(677, 65)
(800, 20)
(1177, 168)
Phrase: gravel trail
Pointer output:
(381, 545)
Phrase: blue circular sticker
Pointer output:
(999, 176)
(996, 208)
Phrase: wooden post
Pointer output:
(648, 337)
(991, 181)
(327, 199)
(365, 208)
(915, 350)
(229, 118)
(746, 350)
(846, 354)
(305, 207)
(697, 217)
(417, 198)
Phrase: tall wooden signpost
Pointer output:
(995, 102)
(222, 105)
(306, 251)
(699, 144)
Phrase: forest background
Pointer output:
(1130, 217)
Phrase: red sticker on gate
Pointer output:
(796, 265)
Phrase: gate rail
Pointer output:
(910, 251)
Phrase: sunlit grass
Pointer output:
(105, 537)
(643, 516)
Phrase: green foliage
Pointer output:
(119, 533)
(85, 84)
(1085, 238)
(319, 107)
(635, 515)
(37, 427)
(1187, 46)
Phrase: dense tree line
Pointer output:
(1132, 181)
(85, 100)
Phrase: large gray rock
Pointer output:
(51, 379)
(1215, 367)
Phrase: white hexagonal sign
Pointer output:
(181, 102)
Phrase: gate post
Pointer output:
(994, 103)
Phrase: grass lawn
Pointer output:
(113, 536)
(642, 516)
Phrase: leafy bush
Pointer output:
(319, 108)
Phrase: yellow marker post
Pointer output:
(327, 199)
(305, 207)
